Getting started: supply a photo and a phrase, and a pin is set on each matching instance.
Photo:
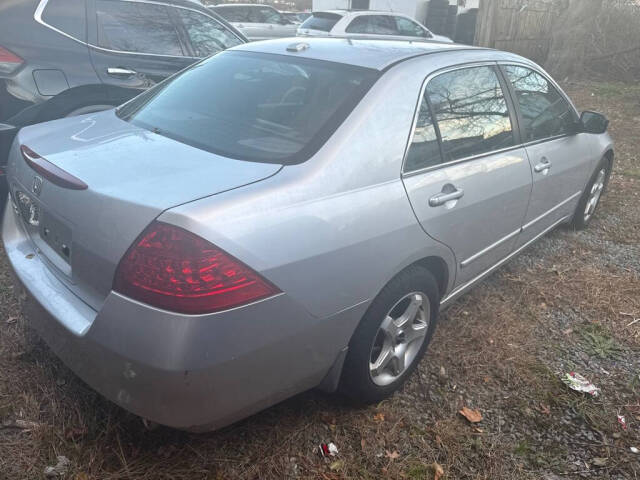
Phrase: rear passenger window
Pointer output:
(409, 28)
(136, 27)
(206, 35)
(68, 16)
(471, 112)
(544, 111)
(321, 21)
(424, 150)
(373, 24)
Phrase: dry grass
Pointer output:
(564, 305)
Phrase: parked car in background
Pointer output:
(60, 58)
(366, 24)
(257, 22)
(297, 17)
(287, 215)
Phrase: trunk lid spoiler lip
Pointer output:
(51, 172)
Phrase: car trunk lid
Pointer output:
(131, 176)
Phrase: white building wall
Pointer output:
(330, 5)
(408, 7)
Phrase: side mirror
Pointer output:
(285, 21)
(592, 122)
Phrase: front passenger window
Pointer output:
(545, 112)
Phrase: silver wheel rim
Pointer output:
(399, 338)
(595, 194)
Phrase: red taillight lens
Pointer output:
(170, 268)
(8, 61)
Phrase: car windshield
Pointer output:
(251, 106)
(323, 21)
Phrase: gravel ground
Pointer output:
(566, 304)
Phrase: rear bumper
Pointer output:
(190, 372)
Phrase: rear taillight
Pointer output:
(9, 62)
(170, 268)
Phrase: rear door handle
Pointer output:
(543, 166)
(442, 198)
(120, 72)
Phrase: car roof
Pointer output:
(368, 53)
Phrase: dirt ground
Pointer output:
(567, 304)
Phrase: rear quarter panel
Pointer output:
(332, 231)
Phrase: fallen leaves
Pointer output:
(474, 416)
(378, 417)
(392, 455)
(599, 461)
(438, 471)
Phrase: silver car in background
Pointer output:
(257, 22)
(367, 24)
(196, 258)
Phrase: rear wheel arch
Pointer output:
(438, 268)
(609, 155)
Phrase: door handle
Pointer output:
(543, 166)
(442, 198)
(120, 72)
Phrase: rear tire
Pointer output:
(592, 195)
(392, 336)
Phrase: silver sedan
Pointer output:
(288, 215)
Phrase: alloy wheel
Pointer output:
(399, 338)
(595, 194)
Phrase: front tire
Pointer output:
(392, 336)
(592, 194)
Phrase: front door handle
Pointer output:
(543, 166)
(120, 72)
(442, 198)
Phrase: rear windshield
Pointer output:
(252, 106)
(323, 21)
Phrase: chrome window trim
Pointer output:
(481, 155)
(37, 16)
(460, 160)
(431, 76)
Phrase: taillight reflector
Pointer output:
(9, 61)
(170, 268)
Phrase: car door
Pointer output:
(558, 162)
(134, 45)
(466, 177)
